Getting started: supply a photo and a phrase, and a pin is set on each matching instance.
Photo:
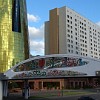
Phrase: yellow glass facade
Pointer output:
(13, 45)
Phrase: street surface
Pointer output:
(53, 95)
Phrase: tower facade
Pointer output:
(67, 32)
(14, 46)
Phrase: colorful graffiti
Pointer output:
(48, 73)
(52, 62)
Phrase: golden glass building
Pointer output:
(14, 45)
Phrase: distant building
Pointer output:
(14, 45)
(67, 32)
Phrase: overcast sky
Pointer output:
(38, 13)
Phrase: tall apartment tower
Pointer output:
(14, 45)
(67, 32)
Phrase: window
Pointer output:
(68, 50)
(68, 25)
(76, 52)
(71, 41)
(68, 30)
(71, 51)
(68, 35)
(67, 16)
(71, 46)
(84, 24)
(76, 38)
(68, 21)
(75, 33)
(71, 31)
(71, 36)
(75, 20)
(68, 40)
(75, 29)
(70, 17)
(16, 22)
(92, 52)
(68, 45)
(71, 27)
(86, 46)
(84, 20)
(75, 24)
(77, 48)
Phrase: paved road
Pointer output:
(95, 96)
(17, 96)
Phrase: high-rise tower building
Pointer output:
(14, 45)
(67, 32)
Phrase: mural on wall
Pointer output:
(48, 73)
(50, 62)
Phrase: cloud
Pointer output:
(98, 23)
(33, 18)
(37, 47)
(36, 33)
(36, 36)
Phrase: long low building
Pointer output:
(57, 70)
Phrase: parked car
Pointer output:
(85, 98)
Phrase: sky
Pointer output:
(38, 13)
